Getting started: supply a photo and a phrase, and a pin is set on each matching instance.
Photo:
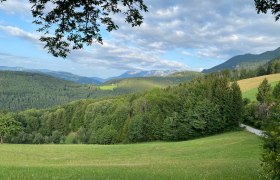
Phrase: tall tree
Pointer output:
(237, 104)
(264, 92)
(8, 125)
(271, 146)
(276, 91)
(70, 24)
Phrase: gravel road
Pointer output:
(253, 130)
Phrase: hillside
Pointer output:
(22, 90)
(140, 117)
(249, 86)
(147, 83)
(57, 74)
(246, 61)
(216, 157)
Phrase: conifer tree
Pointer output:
(264, 92)
(276, 91)
(237, 104)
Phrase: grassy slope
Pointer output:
(251, 94)
(148, 83)
(249, 86)
(232, 155)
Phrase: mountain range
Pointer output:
(90, 80)
(246, 61)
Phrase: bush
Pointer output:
(106, 135)
(38, 139)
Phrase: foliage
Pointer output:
(265, 115)
(276, 91)
(274, 66)
(264, 92)
(271, 146)
(161, 114)
(71, 24)
(263, 6)
(8, 125)
(22, 90)
(237, 109)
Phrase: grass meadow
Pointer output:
(249, 87)
(233, 155)
(251, 83)
(108, 87)
(251, 94)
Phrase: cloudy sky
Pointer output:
(175, 35)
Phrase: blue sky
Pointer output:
(175, 35)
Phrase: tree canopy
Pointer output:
(70, 24)
(263, 6)
(8, 125)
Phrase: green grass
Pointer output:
(108, 87)
(232, 155)
(251, 83)
(251, 94)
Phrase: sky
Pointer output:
(176, 35)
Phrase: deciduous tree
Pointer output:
(263, 6)
(8, 125)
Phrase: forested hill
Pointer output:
(205, 106)
(246, 61)
(156, 81)
(24, 90)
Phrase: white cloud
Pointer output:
(203, 29)
(15, 31)
(16, 6)
(219, 29)
(112, 54)
(123, 57)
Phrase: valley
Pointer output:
(135, 89)
(25, 90)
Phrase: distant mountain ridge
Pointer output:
(139, 73)
(91, 80)
(58, 74)
(246, 61)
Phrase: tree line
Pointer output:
(272, 67)
(205, 106)
(23, 90)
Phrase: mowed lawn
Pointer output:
(234, 155)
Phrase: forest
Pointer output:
(38, 109)
(23, 90)
(205, 106)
